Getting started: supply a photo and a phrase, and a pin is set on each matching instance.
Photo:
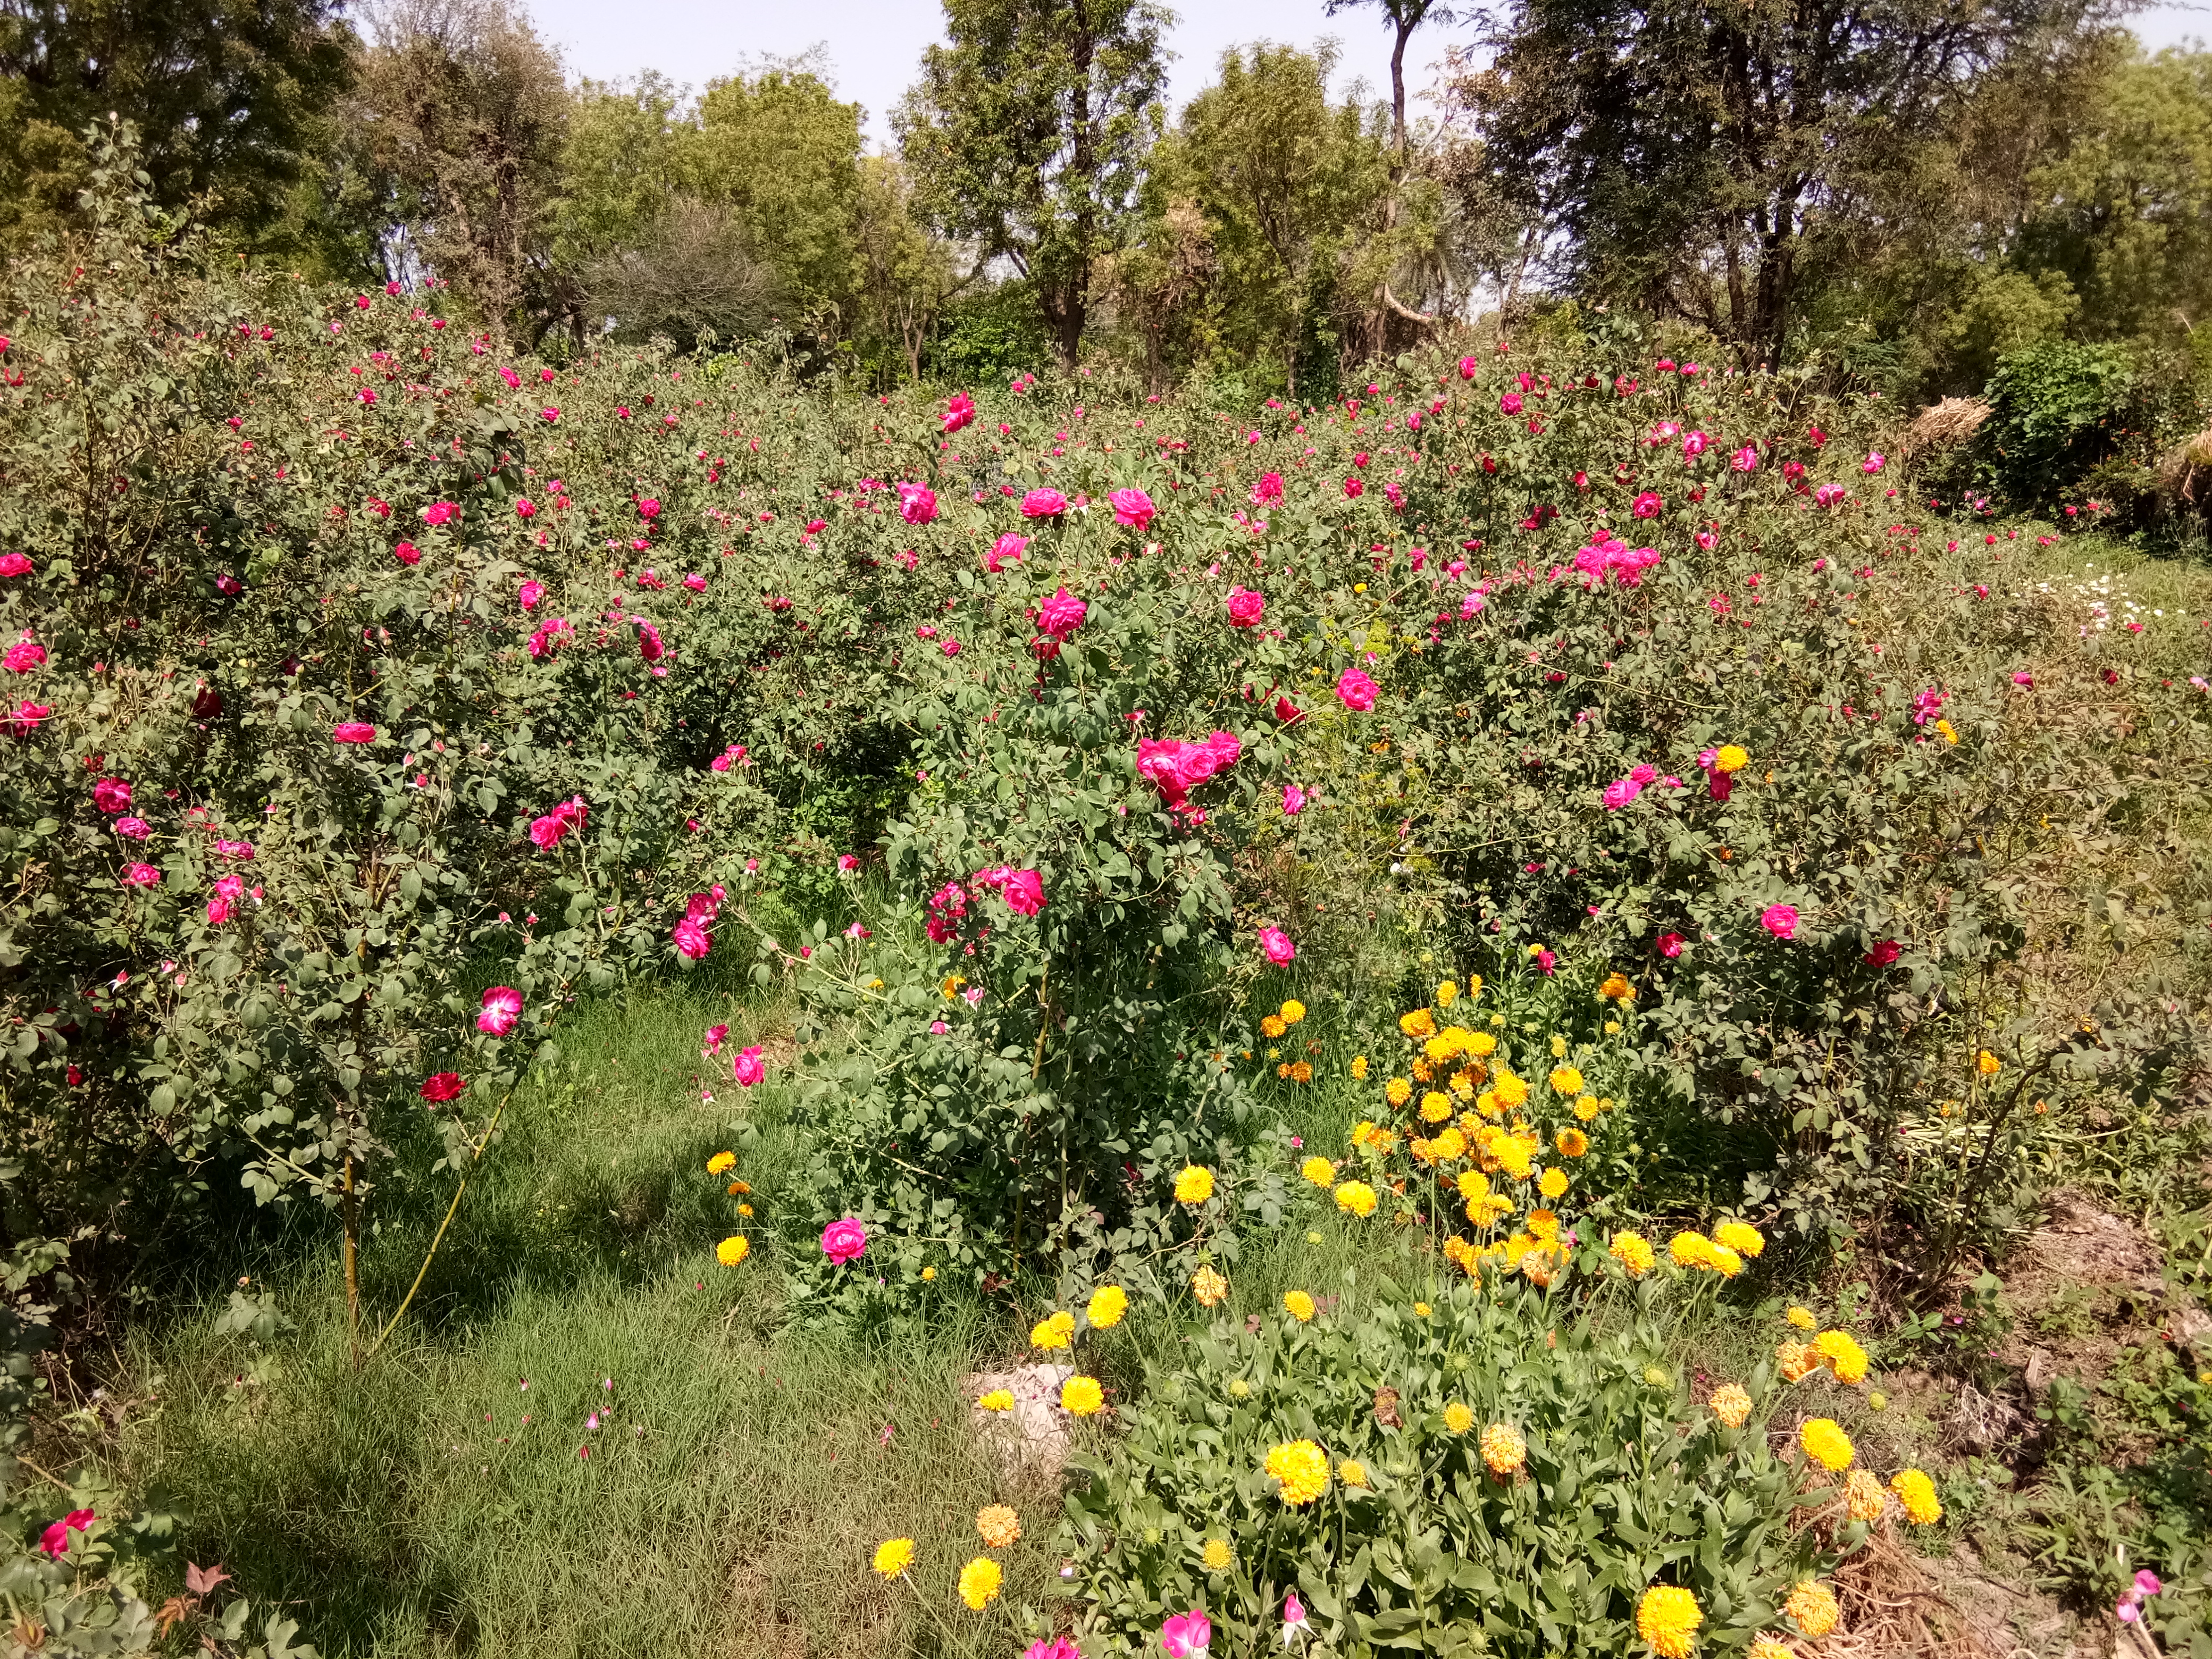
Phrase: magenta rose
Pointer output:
(747, 1066)
(692, 939)
(1779, 919)
(1061, 615)
(1276, 944)
(1024, 892)
(1246, 607)
(353, 732)
(1132, 508)
(1043, 504)
(843, 1241)
(502, 1006)
(1356, 691)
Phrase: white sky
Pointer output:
(875, 46)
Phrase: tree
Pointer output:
(1027, 136)
(907, 275)
(464, 108)
(1700, 156)
(225, 94)
(1288, 186)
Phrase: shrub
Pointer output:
(1482, 1478)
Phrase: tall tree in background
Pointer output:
(1690, 150)
(464, 108)
(1027, 135)
(908, 276)
(227, 96)
(1289, 187)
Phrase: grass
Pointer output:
(442, 1500)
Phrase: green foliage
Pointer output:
(1428, 1549)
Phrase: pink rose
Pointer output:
(513, 381)
(407, 553)
(353, 732)
(843, 1241)
(747, 1066)
(27, 718)
(649, 509)
(917, 503)
(1294, 800)
(1276, 944)
(1647, 505)
(1884, 953)
(1353, 489)
(692, 939)
(1356, 691)
(1008, 550)
(1670, 946)
(1694, 445)
(1061, 615)
(15, 564)
(1187, 1635)
(1779, 919)
(649, 641)
(525, 508)
(502, 1006)
(1745, 459)
(24, 655)
(1873, 463)
(218, 910)
(1246, 607)
(1620, 791)
(141, 875)
(1466, 367)
(959, 410)
(1132, 508)
(1510, 403)
(1269, 489)
(1024, 892)
(54, 1540)
(1043, 504)
(528, 596)
(439, 513)
(135, 829)
(111, 796)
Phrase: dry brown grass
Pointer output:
(1945, 425)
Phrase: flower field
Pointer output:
(1492, 976)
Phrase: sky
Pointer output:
(873, 46)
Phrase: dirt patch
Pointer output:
(1033, 1439)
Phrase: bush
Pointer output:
(1486, 1477)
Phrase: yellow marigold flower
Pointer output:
(1863, 1497)
(1422, 1071)
(1813, 1607)
(1447, 993)
(1730, 757)
(1271, 1026)
(1208, 1286)
(1458, 1417)
(928, 1275)
(1319, 1170)
(999, 1526)
(1488, 1212)
(1690, 1249)
(979, 1582)
(1435, 1107)
(1566, 1081)
(1356, 1198)
(1559, 1046)
(1571, 1143)
(1292, 1011)
(1081, 1396)
(1916, 1493)
(1481, 1044)
(1763, 1646)
(951, 984)
(1724, 1260)
(1301, 1471)
(1739, 1237)
(1422, 1310)
(1731, 1404)
(1298, 1305)
(1301, 1070)
(1512, 1091)
(1194, 1184)
(1359, 1068)
(1668, 1619)
(1634, 1251)
(1617, 988)
(1802, 1318)
(1825, 1443)
(1450, 1145)
(745, 1210)
(1418, 1024)
(721, 1161)
(732, 1249)
(1398, 1091)
(738, 1188)
(999, 1400)
(1988, 1064)
(1945, 728)
(1463, 1081)
(894, 1556)
(1351, 1472)
(1363, 1134)
(1515, 1155)
(1108, 1304)
(1544, 1225)
(1587, 1107)
(1797, 1360)
(1845, 1356)
(1216, 1555)
(1553, 1183)
(1503, 1449)
(1055, 1331)
(1473, 1183)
